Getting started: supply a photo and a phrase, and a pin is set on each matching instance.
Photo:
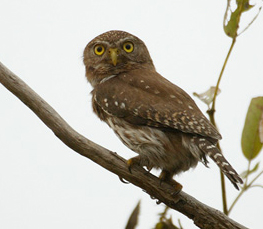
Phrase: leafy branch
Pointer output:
(250, 148)
(245, 187)
(251, 145)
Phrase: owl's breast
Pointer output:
(138, 138)
(153, 145)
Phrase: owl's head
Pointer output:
(112, 53)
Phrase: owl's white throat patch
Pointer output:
(107, 78)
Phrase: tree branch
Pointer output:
(202, 215)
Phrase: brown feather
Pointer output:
(146, 96)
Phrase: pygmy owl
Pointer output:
(152, 116)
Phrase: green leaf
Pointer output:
(167, 224)
(248, 172)
(231, 26)
(250, 141)
(261, 129)
(133, 220)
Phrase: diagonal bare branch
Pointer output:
(202, 215)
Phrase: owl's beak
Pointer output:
(113, 52)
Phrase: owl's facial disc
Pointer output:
(113, 53)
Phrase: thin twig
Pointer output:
(236, 199)
(245, 187)
(256, 186)
(256, 177)
(221, 74)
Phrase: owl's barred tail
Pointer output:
(213, 152)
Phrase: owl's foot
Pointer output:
(138, 161)
(133, 161)
(167, 177)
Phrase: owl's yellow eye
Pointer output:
(99, 50)
(128, 47)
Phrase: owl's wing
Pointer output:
(144, 97)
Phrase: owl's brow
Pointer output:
(99, 42)
(113, 41)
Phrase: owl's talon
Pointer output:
(130, 164)
(177, 186)
(130, 169)
(123, 181)
(147, 171)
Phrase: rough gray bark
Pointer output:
(202, 215)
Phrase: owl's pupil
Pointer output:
(99, 49)
(128, 47)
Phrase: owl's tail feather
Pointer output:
(214, 153)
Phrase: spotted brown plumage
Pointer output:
(151, 115)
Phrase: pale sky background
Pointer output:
(43, 183)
